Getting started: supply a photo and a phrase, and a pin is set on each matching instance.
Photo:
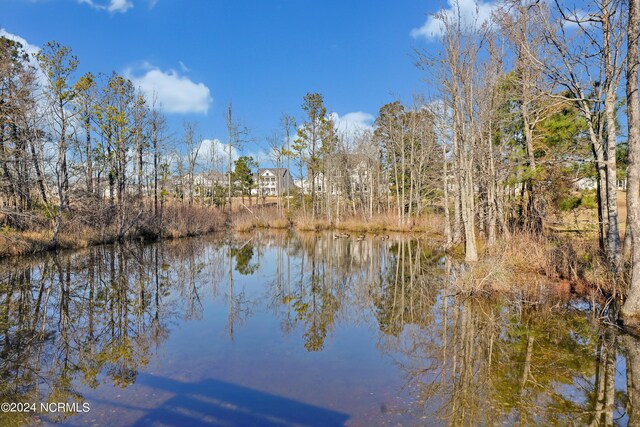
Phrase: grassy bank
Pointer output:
(528, 267)
(83, 230)
(269, 219)
(524, 266)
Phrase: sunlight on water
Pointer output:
(286, 329)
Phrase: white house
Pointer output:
(208, 179)
(359, 179)
(589, 183)
(273, 181)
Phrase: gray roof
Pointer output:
(275, 171)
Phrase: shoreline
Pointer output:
(524, 265)
(15, 243)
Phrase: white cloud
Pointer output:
(472, 14)
(262, 156)
(173, 92)
(576, 15)
(183, 67)
(119, 6)
(29, 48)
(219, 151)
(114, 6)
(348, 126)
(353, 123)
(214, 148)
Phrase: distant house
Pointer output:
(622, 184)
(302, 184)
(273, 181)
(208, 179)
(591, 184)
(586, 184)
(358, 179)
(202, 184)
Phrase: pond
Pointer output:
(279, 329)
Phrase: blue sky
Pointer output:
(262, 54)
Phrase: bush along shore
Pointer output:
(81, 229)
(525, 266)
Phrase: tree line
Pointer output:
(519, 107)
(508, 86)
(71, 144)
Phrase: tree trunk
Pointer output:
(61, 179)
(632, 350)
(630, 312)
(39, 175)
(613, 233)
(445, 197)
(88, 154)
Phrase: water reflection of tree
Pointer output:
(99, 315)
(243, 254)
(489, 363)
(239, 303)
(465, 361)
(332, 279)
(92, 316)
(408, 290)
(323, 276)
(631, 348)
(279, 292)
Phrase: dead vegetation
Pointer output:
(269, 218)
(528, 267)
(87, 227)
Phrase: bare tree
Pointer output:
(288, 124)
(278, 150)
(85, 102)
(459, 60)
(193, 149)
(158, 128)
(588, 65)
(58, 65)
(237, 134)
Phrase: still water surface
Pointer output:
(279, 329)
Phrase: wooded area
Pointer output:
(518, 109)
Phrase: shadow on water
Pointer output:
(212, 402)
(217, 403)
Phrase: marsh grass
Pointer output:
(260, 217)
(529, 267)
(83, 229)
(428, 223)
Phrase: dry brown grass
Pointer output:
(14, 243)
(509, 264)
(267, 217)
(80, 229)
(309, 224)
(182, 221)
(531, 266)
(429, 223)
(280, 223)
(583, 222)
(244, 226)
(425, 224)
